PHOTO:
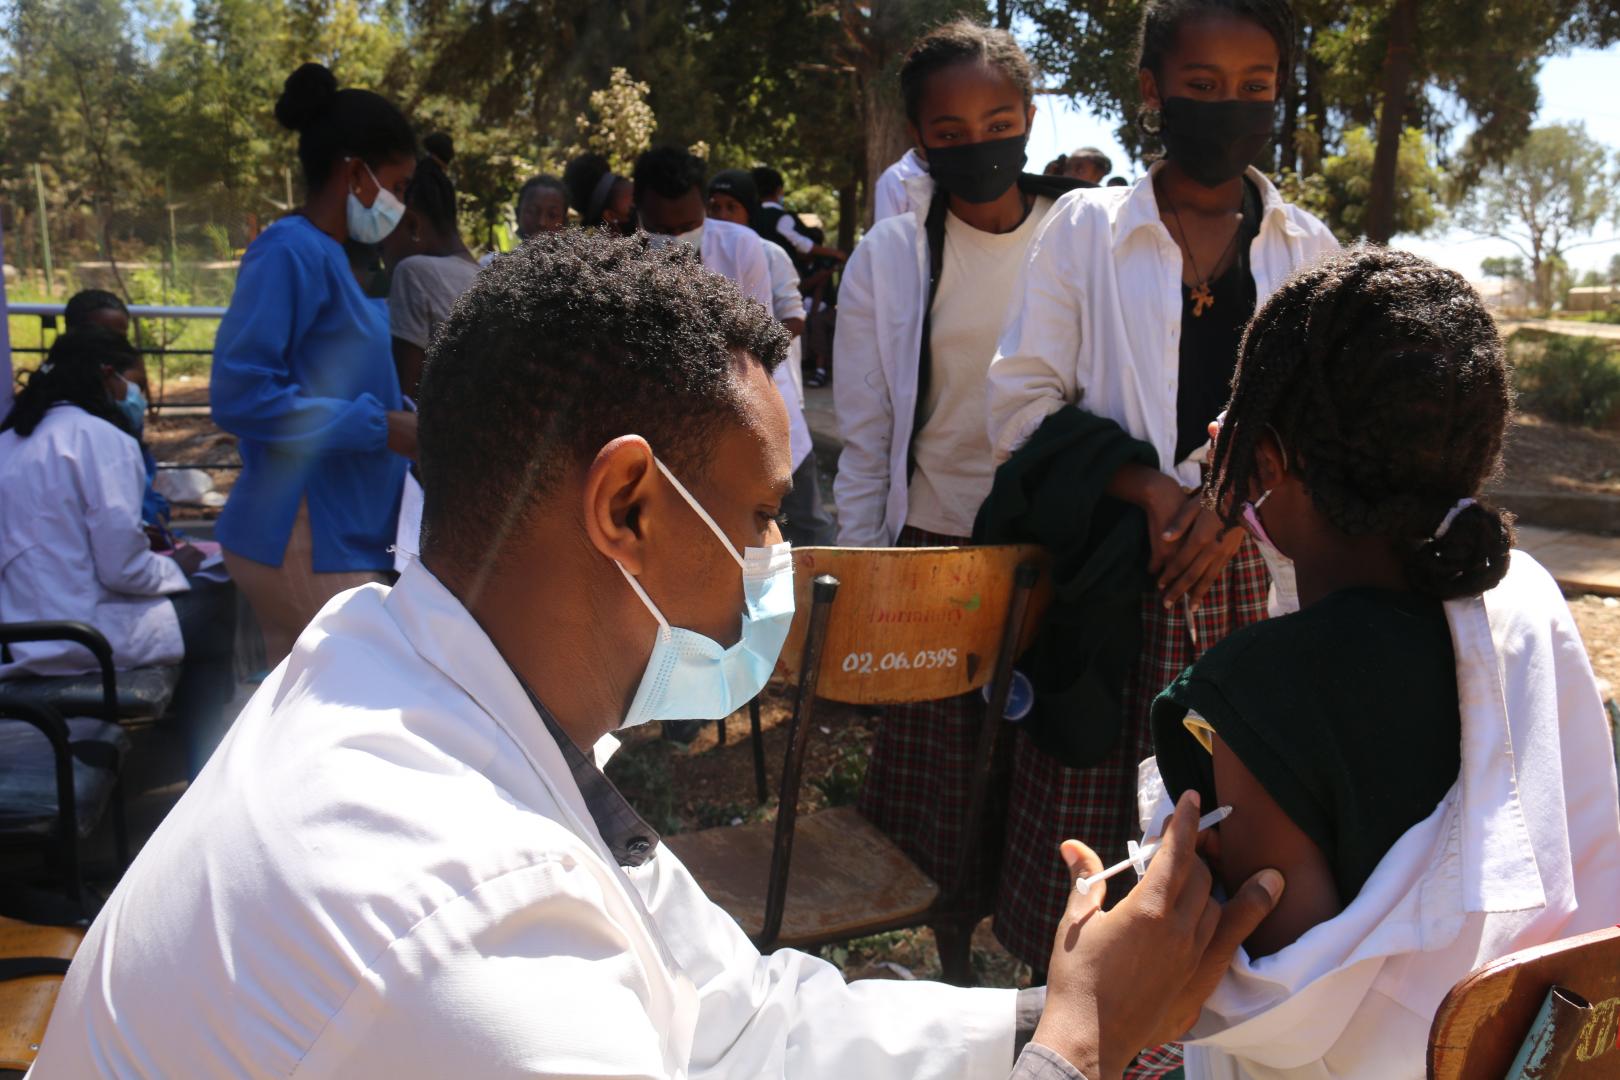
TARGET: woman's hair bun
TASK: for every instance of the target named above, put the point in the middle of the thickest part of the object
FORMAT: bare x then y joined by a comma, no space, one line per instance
307,93
441,146
1469,559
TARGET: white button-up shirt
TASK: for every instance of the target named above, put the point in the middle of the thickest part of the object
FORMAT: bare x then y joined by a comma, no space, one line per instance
388,870
1524,849
72,546
1096,320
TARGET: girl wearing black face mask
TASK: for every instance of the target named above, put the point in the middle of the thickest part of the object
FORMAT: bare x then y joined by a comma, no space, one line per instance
1133,306
921,303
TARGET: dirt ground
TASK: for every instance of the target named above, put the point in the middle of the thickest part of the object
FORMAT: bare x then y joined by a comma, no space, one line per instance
1542,456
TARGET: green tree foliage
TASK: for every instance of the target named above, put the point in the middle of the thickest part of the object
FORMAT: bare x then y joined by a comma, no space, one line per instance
1338,193
1547,195
1503,267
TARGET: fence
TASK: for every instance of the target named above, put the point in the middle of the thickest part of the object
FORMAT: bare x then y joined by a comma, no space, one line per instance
49,314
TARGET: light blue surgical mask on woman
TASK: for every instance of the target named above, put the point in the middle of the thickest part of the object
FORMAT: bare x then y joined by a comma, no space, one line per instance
372,224
693,677
133,406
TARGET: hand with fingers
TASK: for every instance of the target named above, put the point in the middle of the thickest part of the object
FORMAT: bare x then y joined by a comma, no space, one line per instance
1137,975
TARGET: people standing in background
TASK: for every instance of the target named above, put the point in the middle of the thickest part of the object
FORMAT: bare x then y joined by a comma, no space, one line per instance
440,147
600,196
891,197
923,298
73,546
429,266
1089,164
303,372
805,521
776,224
1131,308
1117,181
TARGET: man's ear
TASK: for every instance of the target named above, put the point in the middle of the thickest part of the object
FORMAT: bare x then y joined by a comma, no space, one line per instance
1148,87
618,488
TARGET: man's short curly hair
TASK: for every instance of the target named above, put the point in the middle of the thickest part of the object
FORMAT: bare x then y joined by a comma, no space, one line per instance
570,341
1384,380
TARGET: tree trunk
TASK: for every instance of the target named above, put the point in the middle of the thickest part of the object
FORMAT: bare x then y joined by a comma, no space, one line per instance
1004,14
1397,79
887,137
849,208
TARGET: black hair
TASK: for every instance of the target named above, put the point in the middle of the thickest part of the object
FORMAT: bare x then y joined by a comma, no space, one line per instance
1162,20
1056,166
1384,380
441,147
333,124
962,41
432,195
570,341
539,183
86,302
583,178
740,185
668,170
1090,155
767,181
71,374
1118,181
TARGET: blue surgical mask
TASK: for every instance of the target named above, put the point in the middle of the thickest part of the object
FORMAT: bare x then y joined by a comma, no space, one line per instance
372,224
693,677
133,407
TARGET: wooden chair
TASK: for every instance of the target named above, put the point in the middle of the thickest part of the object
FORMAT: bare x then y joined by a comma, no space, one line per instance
873,626
26,998
1486,1017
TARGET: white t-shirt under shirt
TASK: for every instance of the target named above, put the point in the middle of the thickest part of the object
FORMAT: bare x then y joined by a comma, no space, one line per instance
422,291
952,449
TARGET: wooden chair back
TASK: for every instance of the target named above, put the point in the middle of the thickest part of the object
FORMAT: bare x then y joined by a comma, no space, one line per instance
1483,1021
26,1002
910,624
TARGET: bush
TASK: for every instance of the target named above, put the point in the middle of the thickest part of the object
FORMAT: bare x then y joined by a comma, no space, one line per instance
1571,380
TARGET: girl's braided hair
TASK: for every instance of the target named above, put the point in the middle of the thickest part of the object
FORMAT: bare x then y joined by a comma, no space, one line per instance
1385,382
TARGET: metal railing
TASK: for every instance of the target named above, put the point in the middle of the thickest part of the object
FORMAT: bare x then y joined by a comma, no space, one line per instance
50,314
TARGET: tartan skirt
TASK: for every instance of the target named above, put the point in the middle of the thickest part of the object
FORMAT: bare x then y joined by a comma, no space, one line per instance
920,774
1049,803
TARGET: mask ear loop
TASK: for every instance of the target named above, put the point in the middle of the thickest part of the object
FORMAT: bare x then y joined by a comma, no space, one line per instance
697,507
645,599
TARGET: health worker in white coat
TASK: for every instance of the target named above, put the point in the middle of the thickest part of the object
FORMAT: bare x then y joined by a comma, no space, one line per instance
405,861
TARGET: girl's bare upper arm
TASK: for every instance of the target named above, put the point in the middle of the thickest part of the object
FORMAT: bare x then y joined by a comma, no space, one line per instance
1260,835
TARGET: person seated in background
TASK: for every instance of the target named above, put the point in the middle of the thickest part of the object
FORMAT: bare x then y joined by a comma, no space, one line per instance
600,196
805,521
1420,748
72,545
1087,163
429,267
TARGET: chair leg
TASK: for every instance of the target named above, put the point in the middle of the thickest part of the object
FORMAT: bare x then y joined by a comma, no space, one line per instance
720,731
120,826
761,791
954,939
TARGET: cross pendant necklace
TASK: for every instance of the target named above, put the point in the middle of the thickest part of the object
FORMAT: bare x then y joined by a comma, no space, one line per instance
1203,299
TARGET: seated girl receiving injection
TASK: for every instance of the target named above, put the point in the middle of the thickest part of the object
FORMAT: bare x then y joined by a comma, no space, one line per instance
1420,749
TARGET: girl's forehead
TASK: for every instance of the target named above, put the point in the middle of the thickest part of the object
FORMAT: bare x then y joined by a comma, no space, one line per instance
966,81
1221,39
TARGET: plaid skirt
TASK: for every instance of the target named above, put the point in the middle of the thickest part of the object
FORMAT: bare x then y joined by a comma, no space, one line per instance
920,774
1049,803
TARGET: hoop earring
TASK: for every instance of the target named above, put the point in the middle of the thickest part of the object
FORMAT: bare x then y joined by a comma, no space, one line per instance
1150,120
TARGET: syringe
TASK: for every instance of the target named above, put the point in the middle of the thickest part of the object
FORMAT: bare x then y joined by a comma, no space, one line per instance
1141,854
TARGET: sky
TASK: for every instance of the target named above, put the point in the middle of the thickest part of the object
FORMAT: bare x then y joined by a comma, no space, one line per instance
1569,86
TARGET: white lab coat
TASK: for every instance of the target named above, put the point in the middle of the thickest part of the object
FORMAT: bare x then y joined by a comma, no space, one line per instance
737,252
1099,319
387,870
1523,850
72,546
892,195
788,303
877,341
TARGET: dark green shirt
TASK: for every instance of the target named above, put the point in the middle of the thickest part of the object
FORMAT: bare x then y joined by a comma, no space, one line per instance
1345,712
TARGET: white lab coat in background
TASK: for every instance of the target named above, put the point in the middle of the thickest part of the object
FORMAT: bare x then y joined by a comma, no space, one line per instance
737,252
387,870
1523,850
893,195
72,546
1099,319
788,303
